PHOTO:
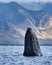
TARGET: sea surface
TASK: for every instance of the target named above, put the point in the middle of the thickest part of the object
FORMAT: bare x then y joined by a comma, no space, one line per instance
13,55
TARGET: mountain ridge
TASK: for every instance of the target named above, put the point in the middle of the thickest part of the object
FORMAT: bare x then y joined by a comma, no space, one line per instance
15,19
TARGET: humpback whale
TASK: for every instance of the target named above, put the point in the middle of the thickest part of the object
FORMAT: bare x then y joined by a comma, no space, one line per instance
31,46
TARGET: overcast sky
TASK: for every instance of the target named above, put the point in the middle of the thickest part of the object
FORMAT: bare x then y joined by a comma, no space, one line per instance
26,1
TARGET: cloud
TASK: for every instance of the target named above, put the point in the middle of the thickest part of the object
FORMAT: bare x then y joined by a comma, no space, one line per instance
26,1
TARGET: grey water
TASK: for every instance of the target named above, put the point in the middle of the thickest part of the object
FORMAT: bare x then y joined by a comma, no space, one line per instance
13,55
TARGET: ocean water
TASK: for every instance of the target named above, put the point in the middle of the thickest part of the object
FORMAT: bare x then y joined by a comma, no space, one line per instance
13,55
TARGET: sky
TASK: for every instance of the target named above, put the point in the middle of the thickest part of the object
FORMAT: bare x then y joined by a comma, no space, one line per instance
26,1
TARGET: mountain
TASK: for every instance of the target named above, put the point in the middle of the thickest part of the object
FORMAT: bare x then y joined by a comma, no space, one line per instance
48,8
11,12
39,6
15,19
45,26
33,5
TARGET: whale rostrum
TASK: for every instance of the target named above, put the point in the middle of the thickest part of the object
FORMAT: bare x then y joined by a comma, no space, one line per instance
31,46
